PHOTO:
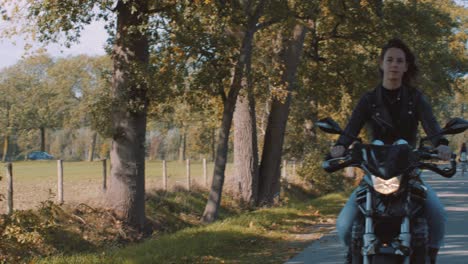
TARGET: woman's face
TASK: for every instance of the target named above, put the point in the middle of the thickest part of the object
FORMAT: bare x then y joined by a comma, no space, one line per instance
394,64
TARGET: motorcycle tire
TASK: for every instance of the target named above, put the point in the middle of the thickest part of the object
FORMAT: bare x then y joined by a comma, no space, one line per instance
357,259
419,255
385,259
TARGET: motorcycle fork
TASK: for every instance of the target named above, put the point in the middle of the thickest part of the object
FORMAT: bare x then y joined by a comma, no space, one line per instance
369,235
405,232
369,238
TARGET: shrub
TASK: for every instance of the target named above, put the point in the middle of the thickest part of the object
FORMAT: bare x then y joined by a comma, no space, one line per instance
322,182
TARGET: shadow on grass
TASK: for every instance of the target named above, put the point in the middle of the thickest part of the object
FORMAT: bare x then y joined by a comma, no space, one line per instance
172,211
296,193
275,219
300,197
330,204
203,246
67,242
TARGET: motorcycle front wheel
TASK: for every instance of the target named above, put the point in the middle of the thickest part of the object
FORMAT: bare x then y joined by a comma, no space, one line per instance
386,259
378,259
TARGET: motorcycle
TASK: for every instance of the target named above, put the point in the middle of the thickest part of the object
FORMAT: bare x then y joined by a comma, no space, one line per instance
391,227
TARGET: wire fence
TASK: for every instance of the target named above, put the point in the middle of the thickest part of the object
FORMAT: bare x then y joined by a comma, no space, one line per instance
26,193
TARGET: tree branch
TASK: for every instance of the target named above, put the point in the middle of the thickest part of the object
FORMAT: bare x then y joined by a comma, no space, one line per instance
266,24
155,10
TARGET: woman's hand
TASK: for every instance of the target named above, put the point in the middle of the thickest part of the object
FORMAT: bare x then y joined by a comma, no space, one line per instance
444,152
337,151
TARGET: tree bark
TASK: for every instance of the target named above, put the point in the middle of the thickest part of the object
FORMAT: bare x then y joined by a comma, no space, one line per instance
42,131
6,143
126,193
214,200
213,145
274,137
245,149
183,138
245,141
154,147
92,147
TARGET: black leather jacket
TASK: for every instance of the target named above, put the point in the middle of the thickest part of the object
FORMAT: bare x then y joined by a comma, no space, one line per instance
371,110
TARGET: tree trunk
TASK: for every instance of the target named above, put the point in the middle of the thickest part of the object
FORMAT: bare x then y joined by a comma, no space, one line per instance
214,200
183,138
6,143
378,7
42,131
92,147
245,149
213,144
274,137
154,147
211,210
126,193
245,141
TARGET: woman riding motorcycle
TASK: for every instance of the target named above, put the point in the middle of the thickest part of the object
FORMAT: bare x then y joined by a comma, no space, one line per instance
393,110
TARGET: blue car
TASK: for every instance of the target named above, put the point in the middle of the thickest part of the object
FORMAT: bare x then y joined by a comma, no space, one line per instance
39,155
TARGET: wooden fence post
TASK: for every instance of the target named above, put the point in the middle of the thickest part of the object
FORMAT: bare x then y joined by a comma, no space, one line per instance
60,181
9,174
164,175
188,174
104,174
204,173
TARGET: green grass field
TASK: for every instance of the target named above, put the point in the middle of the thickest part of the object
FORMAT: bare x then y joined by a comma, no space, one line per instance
32,171
36,181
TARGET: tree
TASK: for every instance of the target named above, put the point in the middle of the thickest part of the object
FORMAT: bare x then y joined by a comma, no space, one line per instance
80,79
218,36
130,56
245,146
41,105
290,56
51,20
9,97
252,14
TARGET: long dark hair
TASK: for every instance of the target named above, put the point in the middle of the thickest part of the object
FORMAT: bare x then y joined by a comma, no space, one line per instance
463,147
413,70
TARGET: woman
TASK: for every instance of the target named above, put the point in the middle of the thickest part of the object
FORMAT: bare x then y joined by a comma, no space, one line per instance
393,110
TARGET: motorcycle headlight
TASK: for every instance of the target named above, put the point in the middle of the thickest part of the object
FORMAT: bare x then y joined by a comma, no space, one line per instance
386,186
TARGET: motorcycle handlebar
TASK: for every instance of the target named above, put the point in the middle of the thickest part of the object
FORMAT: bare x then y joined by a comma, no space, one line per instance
445,172
334,164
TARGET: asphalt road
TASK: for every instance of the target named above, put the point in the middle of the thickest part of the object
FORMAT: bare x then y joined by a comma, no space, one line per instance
454,195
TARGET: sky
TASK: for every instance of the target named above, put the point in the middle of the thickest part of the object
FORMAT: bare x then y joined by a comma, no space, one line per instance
92,43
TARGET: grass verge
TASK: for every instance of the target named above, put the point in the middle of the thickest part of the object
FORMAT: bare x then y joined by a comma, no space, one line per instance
82,234
266,235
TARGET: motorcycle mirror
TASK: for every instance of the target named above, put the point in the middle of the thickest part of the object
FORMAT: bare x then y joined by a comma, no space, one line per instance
455,126
329,125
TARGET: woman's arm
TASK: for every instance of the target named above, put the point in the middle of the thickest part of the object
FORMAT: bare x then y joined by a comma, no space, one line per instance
359,117
429,122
